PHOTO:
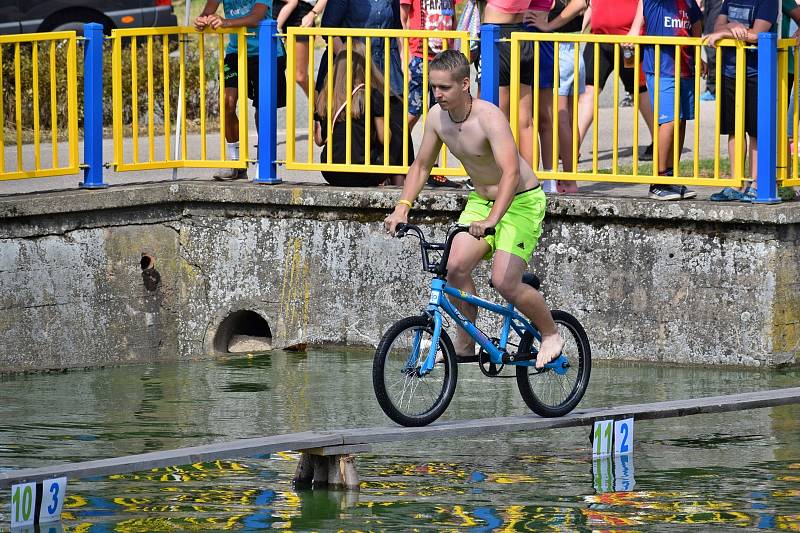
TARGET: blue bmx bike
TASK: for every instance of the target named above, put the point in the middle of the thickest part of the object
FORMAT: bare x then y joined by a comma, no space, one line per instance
415,369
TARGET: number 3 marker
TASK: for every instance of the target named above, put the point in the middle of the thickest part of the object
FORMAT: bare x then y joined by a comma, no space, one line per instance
53,492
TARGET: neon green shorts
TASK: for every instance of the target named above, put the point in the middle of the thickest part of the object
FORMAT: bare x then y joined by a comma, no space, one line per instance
519,230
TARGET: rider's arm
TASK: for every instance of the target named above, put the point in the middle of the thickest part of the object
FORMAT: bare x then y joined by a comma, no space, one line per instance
418,173
506,156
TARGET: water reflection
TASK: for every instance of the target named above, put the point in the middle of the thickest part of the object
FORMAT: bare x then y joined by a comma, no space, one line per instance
733,470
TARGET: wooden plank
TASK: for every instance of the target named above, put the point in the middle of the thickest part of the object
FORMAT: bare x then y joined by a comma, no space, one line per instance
181,456
338,450
364,436
579,417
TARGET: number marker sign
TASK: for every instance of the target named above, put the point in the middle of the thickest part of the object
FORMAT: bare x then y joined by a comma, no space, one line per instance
623,436
53,492
23,499
24,502
602,437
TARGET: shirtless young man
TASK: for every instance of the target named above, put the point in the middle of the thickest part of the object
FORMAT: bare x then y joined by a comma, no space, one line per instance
507,197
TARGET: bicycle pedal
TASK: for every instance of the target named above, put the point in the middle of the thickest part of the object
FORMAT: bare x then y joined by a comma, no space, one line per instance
510,358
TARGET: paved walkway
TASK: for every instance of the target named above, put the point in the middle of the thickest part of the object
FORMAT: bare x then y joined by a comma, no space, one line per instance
604,155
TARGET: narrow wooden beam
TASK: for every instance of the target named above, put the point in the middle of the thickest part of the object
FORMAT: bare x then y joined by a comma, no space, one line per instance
364,436
181,456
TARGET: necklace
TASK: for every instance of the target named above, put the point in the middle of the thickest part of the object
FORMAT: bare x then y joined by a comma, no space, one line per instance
459,122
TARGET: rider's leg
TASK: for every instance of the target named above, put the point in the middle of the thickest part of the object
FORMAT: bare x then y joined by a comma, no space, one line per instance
465,253
507,270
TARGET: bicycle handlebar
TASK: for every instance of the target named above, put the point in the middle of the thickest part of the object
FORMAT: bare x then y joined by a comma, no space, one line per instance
440,268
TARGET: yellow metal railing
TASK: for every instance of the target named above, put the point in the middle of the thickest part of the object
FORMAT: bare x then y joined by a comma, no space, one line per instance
615,172
349,37
788,115
151,50
56,54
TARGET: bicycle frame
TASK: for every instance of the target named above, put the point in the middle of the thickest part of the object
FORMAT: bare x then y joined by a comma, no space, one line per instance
438,302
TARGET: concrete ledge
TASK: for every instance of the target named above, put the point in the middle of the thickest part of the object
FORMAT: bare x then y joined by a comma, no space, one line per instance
323,196
683,282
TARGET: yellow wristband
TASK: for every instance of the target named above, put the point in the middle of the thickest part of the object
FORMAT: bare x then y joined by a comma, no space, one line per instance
405,202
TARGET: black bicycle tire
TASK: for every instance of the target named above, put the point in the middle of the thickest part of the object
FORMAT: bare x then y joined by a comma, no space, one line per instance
379,362
584,370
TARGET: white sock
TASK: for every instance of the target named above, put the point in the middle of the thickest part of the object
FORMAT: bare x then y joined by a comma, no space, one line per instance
548,186
233,151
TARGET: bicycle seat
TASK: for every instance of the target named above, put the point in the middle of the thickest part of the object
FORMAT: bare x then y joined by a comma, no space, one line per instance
528,278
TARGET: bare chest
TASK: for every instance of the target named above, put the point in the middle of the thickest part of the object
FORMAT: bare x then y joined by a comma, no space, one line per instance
467,142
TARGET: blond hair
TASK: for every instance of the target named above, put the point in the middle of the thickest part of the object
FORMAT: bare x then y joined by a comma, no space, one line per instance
358,72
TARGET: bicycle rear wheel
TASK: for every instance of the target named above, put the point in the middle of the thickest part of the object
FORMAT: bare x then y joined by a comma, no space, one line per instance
408,398
546,392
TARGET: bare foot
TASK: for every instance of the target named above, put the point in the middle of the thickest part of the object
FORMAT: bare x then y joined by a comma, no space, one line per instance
550,349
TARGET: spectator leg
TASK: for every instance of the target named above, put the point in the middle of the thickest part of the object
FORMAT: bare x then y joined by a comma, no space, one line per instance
545,129
526,123
231,120
301,63
585,112
646,110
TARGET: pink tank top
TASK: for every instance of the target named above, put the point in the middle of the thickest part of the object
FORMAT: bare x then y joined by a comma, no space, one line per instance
540,5
515,6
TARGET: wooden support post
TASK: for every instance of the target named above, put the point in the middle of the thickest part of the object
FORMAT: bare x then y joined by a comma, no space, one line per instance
305,470
334,472
348,465
320,471
331,466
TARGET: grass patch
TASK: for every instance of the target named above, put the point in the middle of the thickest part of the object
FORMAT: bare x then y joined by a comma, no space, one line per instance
705,168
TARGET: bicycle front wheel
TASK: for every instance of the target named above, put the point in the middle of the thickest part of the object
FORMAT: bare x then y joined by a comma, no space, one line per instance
407,396
546,392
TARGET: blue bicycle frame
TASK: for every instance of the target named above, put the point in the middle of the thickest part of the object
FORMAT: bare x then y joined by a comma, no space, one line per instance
438,302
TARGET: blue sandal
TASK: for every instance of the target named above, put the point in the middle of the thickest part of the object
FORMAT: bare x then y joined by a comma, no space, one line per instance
728,194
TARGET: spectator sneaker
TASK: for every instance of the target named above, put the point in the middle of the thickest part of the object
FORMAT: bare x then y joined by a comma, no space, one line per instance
669,192
231,174
647,153
442,181
707,96
686,193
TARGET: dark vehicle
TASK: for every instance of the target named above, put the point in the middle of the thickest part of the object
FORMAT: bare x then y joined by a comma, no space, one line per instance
30,16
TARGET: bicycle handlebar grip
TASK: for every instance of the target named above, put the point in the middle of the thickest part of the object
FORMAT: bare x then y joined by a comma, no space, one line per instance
400,230
489,231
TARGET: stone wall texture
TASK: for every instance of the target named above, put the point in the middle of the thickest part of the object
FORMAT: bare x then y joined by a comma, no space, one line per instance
686,282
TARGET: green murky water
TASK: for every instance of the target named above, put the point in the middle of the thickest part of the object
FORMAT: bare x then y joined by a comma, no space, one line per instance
734,471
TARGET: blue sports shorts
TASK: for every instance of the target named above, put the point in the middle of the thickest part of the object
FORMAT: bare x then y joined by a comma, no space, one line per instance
666,97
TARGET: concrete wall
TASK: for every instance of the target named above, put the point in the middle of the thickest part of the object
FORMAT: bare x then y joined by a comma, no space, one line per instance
682,282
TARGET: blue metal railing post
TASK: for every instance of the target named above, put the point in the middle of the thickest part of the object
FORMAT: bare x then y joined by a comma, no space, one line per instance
268,102
490,63
766,181
93,107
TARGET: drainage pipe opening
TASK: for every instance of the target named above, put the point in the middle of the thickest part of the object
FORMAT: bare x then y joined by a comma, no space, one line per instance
243,331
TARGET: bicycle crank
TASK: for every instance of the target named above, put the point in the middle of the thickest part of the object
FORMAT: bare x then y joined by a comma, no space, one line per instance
488,367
